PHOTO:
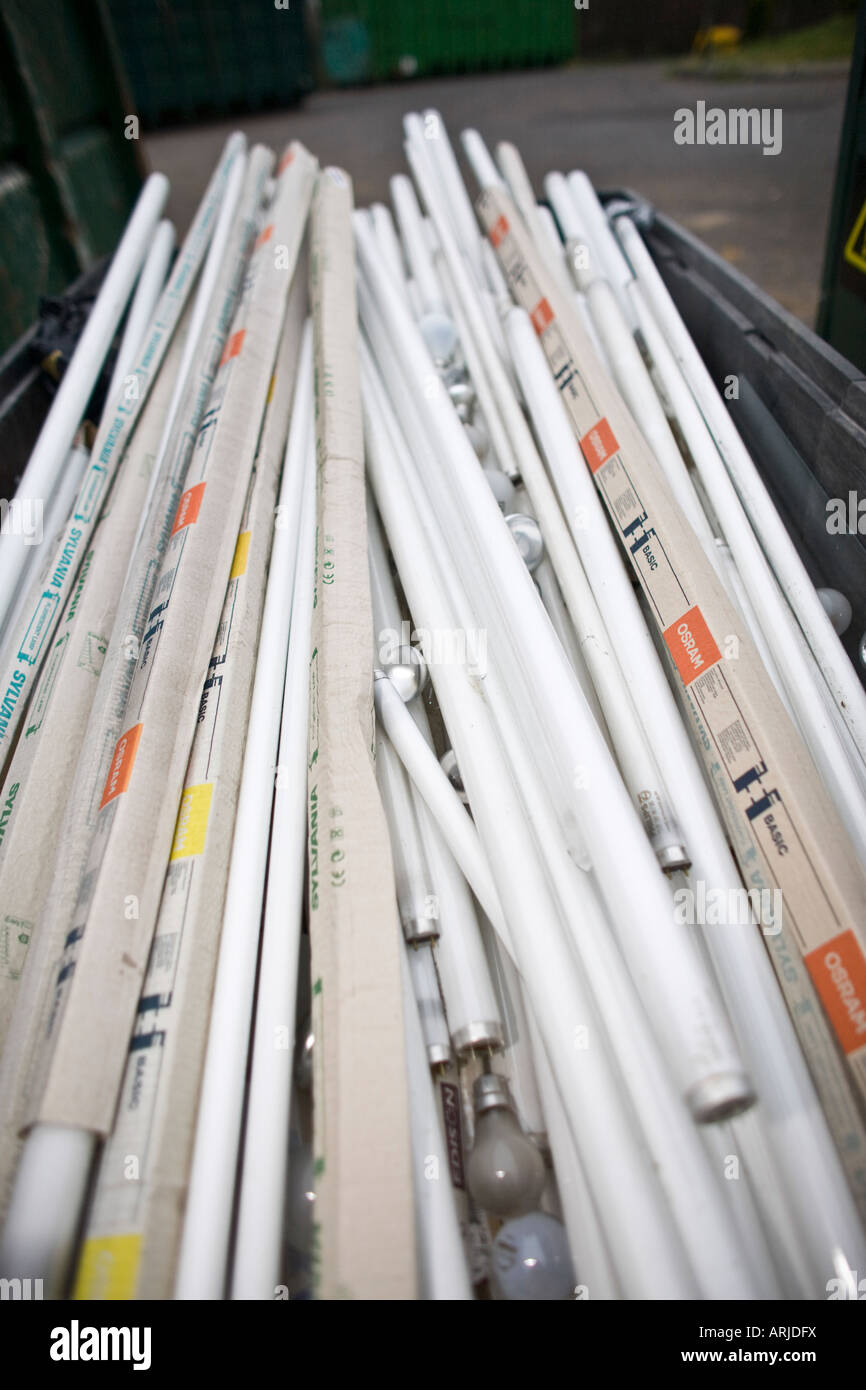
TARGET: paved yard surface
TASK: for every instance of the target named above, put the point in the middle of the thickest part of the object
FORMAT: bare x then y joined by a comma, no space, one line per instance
767,214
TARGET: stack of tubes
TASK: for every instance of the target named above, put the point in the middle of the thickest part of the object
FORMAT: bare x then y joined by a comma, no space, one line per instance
624,1076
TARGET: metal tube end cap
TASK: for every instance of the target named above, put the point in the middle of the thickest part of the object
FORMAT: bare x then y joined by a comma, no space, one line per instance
720,1097
486,1036
673,857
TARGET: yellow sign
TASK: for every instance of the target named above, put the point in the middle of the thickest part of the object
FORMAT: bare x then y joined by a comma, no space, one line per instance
855,246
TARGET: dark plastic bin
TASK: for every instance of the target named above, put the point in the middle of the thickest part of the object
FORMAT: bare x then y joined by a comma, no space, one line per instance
842,311
366,41
801,408
188,59
68,175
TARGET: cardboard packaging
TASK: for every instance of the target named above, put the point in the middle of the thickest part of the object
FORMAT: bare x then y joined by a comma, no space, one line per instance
134,1225
364,1235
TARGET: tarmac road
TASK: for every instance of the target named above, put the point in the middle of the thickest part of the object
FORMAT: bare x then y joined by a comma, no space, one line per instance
765,213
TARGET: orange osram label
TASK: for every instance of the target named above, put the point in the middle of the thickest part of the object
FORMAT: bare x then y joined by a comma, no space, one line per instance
285,161
265,234
541,316
188,507
598,445
233,346
120,770
838,970
499,231
691,645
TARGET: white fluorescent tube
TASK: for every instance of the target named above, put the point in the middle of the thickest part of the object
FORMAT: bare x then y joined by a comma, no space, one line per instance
204,1246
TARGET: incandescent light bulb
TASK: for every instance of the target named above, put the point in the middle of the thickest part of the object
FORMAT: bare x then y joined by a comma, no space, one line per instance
505,1171
530,1259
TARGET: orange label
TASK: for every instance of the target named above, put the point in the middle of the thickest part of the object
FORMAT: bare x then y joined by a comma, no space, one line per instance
499,231
598,445
285,161
541,316
233,346
120,771
188,508
691,645
265,234
838,970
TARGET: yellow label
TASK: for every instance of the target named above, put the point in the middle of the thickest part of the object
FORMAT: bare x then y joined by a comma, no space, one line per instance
192,817
242,550
855,246
108,1267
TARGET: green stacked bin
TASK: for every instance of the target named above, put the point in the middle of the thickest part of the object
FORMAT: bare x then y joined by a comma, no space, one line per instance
363,40
188,59
68,175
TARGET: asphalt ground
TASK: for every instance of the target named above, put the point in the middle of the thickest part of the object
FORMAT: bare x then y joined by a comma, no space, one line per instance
767,214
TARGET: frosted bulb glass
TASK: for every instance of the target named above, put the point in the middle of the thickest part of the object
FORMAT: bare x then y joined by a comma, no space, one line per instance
837,608
407,672
479,439
304,1059
505,1171
530,1259
300,1200
501,486
440,336
527,535
448,763
462,393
